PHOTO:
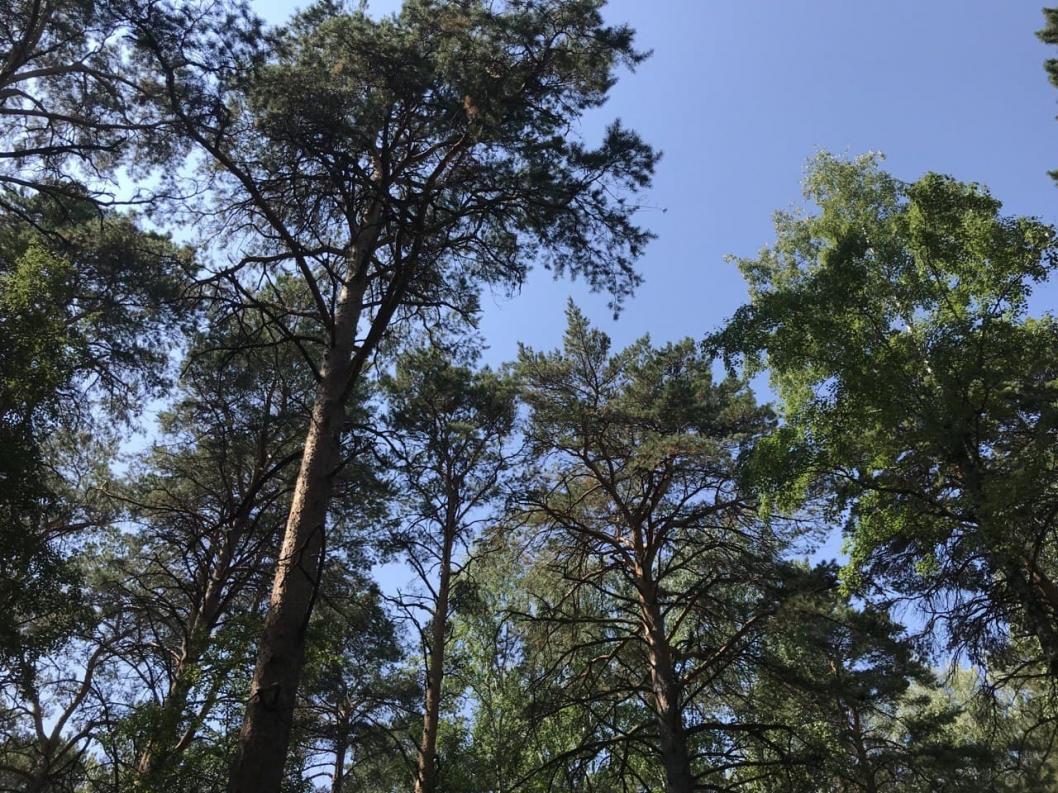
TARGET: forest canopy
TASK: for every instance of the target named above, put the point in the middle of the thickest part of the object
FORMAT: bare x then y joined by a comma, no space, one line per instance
272,520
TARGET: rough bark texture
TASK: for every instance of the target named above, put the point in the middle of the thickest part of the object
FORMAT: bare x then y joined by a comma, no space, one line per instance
1031,589
665,692
265,733
1038,594
165,743
870,781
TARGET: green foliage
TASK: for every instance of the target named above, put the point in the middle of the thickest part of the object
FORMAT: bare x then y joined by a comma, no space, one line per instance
461,73
519,727
206,503
447,427
449,431
88,304
613,529
1049,35
397,165
356,694
855,708
662,573
70,109
917,395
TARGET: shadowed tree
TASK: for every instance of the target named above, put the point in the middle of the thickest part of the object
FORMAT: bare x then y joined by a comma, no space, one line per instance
208,501
86,314
860,711
56,707
358,697
69,102
448,428
525,730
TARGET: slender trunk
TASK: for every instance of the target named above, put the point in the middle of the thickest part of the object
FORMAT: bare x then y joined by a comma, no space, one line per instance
163,739
164,742
665,691
341,744
426,775
870,784
265,734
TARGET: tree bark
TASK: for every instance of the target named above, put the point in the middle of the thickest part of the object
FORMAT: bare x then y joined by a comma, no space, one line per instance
161,744
665,691
265,733
870,781
341,745
164,743
1030,587
426,774
1023,577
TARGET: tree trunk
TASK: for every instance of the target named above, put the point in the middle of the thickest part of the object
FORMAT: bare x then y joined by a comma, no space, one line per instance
870,782
163,737
426,776
164,743
1030,587
341,745
40,779
1036,591
265,734
665,691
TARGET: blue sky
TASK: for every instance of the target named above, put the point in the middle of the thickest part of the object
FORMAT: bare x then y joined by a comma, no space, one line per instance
739,93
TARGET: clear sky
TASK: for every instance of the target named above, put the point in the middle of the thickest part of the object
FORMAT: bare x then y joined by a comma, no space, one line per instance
739,93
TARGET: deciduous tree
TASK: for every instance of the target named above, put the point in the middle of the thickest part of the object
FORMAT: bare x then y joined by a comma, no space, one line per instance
919,397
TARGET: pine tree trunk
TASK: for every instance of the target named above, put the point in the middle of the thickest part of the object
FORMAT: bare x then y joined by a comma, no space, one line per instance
426,775
1029,586
341,744
1038,593
265,734
39,781
164,745
870,782
665,692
